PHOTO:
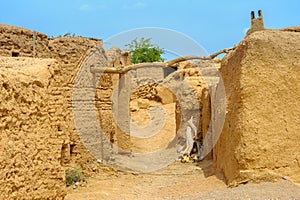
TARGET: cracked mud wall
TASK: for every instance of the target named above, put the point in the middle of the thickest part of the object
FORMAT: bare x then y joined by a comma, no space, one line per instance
70,52
260,139
30,142
35,147
200,75
107,84
260,135
18,42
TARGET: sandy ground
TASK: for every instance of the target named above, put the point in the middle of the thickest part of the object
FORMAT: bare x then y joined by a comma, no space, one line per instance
178,181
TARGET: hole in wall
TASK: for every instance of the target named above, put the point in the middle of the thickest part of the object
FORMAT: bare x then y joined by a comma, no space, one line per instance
63,150
59,129
15,54
5,86
72,148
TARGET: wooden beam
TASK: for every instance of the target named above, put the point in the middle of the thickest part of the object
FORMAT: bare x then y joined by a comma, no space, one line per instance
171,63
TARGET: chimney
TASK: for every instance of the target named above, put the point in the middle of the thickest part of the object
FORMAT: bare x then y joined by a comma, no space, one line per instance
257,24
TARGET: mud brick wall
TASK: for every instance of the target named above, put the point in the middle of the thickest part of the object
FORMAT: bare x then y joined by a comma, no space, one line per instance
37,126
30,140
260,139
70,52
15,41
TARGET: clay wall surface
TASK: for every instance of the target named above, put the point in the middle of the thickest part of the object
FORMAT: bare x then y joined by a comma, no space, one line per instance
31,87
19,41
39,137
260,139
69,52
30,142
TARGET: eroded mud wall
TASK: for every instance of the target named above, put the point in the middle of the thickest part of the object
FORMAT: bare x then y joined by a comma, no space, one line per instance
70,52
37,126
260,139
21,42
30,141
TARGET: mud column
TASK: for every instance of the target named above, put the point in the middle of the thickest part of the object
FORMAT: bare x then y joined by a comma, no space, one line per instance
122,114
210,138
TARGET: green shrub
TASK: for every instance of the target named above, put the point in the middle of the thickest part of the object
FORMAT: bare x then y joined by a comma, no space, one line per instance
73,175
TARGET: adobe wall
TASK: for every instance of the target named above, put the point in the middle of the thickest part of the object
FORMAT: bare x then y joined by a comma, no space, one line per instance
145,93
47,142
260,139
69,52
30,142
108,83
20,41
203,77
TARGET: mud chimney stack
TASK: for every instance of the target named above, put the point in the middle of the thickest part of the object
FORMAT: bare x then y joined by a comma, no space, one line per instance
257,24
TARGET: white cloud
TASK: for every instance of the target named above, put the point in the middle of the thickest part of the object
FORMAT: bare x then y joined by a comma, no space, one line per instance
137,5
84,7
87,7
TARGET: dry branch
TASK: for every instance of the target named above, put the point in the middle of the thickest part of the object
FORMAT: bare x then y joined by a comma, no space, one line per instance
171,63
212,56
185,58
124,69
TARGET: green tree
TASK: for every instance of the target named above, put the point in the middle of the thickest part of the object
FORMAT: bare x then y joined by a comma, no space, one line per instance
143,51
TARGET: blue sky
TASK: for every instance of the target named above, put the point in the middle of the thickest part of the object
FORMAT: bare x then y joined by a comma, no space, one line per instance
213,24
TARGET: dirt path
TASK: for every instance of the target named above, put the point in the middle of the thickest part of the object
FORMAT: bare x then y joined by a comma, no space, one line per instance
282,189
177,181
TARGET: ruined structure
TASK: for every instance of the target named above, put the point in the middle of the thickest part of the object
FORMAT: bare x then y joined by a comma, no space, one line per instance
147,85
39,135
35,50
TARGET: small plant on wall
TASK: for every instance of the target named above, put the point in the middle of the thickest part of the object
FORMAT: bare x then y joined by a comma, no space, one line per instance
74,175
